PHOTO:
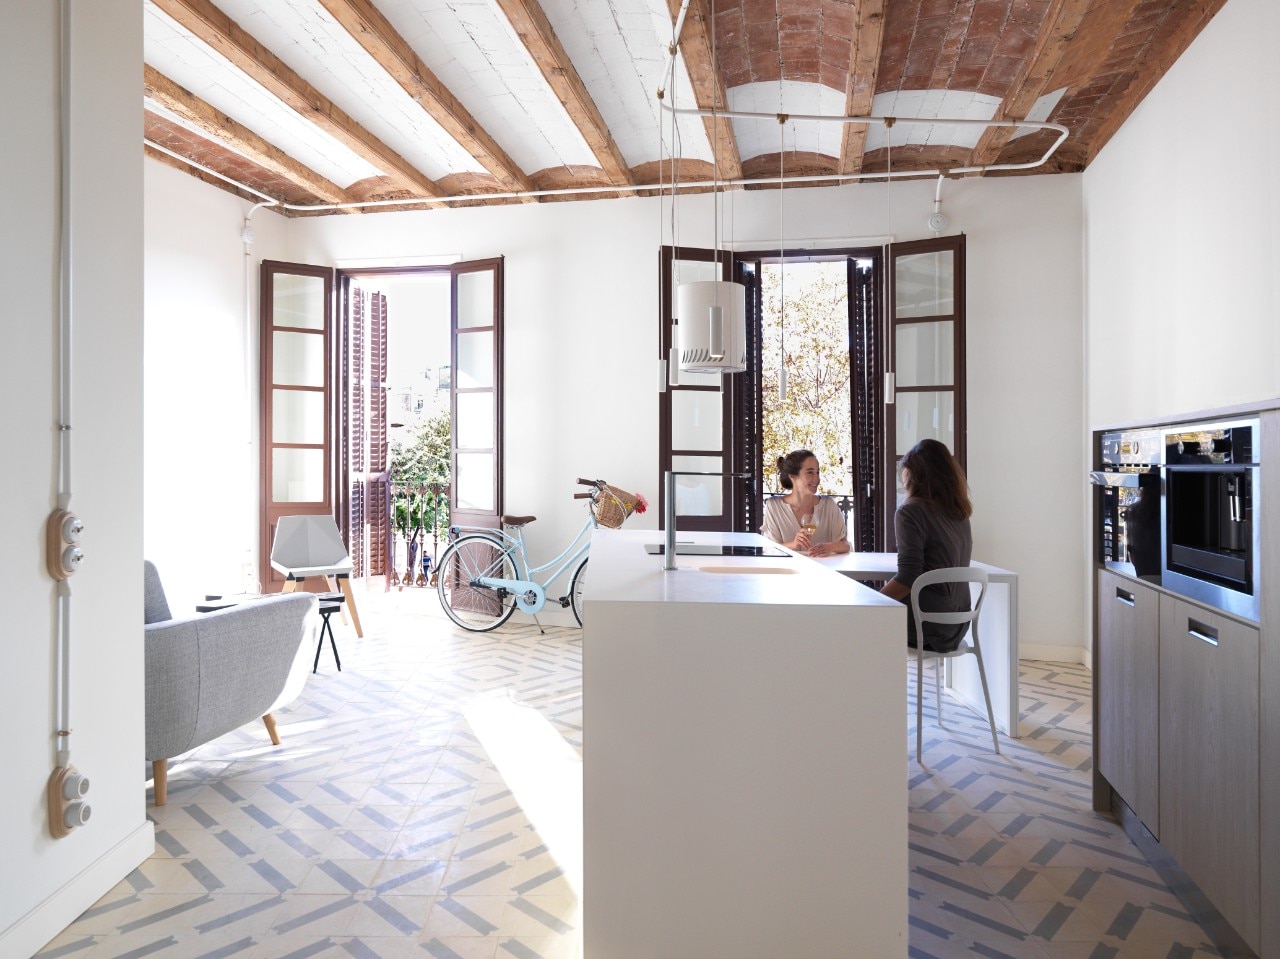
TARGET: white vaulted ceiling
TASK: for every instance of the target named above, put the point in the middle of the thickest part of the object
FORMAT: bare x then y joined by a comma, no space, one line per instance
330,102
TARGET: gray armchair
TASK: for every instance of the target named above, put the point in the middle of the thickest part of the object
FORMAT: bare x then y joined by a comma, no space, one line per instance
210,673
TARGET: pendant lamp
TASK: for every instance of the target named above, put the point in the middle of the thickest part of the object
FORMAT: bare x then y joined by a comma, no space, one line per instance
713,326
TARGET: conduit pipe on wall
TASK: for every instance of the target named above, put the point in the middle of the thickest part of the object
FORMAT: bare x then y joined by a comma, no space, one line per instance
66,786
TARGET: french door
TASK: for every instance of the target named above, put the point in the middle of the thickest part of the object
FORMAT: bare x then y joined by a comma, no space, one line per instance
323,396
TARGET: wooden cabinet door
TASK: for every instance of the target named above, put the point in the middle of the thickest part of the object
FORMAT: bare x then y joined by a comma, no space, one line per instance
1128,683
1209,805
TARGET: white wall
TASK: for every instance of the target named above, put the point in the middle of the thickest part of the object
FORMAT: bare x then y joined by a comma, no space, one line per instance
581,346
45,882
201,379
1181,207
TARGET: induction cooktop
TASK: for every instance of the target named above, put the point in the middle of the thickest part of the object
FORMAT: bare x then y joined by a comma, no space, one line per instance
700,549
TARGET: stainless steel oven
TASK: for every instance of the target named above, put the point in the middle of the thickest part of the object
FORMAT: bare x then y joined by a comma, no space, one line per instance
1128,507
1210,514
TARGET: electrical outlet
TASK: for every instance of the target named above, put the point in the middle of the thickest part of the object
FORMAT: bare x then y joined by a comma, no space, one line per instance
64,555
67,808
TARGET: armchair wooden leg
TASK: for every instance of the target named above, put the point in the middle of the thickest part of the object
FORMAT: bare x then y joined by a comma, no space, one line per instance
290,585
270,722
160,772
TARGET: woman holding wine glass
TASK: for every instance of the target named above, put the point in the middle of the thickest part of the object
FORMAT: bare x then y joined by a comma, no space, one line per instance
801,519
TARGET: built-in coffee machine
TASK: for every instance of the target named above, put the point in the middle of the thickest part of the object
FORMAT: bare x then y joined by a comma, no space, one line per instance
1211,527
1129,539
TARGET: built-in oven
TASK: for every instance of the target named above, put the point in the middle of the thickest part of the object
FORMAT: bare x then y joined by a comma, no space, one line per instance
1128,508
1210,514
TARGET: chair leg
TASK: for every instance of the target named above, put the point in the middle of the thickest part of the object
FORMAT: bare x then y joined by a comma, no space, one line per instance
270,722
919,699
986,694
160,773
345,583
937,687
290,584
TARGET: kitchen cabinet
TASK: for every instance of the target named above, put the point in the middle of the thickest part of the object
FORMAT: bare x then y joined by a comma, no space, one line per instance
1209,752
1128,690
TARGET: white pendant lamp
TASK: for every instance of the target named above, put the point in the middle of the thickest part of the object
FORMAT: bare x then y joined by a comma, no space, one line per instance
713,326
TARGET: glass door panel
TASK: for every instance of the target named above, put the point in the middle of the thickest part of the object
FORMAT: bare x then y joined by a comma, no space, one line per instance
698,495
297,416
926,353
925,284
696,420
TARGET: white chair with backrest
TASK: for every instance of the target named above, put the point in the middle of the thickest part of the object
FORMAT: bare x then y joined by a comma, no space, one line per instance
311,545
969,644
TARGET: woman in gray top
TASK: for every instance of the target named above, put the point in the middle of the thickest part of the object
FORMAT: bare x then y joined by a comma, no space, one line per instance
932,530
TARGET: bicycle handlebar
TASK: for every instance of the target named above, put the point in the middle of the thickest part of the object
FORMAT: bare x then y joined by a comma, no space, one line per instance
596,483
582,495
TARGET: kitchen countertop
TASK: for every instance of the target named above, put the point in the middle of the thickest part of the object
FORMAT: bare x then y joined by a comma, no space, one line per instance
621,571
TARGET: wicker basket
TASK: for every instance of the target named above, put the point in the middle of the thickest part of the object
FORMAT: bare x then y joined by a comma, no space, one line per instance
612,506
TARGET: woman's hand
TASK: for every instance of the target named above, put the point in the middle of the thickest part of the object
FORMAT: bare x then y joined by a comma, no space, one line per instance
801,544
822,549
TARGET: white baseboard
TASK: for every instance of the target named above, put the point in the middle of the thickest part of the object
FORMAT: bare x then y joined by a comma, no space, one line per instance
35,930
1055,654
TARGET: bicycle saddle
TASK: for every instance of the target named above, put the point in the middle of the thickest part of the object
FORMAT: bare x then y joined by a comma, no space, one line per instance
517,520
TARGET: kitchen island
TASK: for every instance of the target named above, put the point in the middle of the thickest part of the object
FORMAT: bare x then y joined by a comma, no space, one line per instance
744,769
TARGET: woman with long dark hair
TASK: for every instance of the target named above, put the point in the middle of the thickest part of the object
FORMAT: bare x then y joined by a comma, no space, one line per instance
932,530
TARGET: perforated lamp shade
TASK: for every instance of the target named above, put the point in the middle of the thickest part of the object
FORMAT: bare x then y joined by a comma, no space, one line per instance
712,326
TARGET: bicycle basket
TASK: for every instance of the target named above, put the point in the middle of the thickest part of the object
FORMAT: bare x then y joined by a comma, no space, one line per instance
612,506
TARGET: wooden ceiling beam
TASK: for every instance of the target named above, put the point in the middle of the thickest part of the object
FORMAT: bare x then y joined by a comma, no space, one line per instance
380,40
1036,74
226,37
220,128
535,32
708,85
864,69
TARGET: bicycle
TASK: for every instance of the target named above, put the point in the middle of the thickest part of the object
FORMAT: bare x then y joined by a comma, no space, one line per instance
484,575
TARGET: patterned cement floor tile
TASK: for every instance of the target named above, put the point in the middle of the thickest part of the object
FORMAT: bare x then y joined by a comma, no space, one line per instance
384,826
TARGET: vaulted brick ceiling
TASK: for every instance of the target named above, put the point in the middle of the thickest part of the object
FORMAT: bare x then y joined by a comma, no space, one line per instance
327,102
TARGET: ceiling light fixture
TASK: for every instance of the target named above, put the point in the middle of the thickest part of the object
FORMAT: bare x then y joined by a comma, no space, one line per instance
717,344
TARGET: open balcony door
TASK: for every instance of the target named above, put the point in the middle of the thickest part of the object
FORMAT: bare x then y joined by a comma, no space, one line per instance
698,431
475,393
297,409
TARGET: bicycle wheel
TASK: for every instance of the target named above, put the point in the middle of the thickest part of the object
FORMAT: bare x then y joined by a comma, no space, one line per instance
477,608
578,588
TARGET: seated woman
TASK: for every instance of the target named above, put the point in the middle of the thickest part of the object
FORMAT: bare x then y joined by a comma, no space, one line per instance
802,520
932,530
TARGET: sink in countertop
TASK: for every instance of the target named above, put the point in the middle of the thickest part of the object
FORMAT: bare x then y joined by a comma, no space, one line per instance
751,570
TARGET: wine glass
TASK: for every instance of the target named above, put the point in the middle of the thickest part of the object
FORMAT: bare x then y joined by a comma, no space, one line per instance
809,527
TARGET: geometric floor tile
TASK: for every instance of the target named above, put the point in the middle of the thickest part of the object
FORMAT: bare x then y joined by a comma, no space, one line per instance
394,820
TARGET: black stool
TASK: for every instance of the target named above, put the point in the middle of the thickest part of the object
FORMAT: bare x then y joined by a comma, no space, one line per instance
330,603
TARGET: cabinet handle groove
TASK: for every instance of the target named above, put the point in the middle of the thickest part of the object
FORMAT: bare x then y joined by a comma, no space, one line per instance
1124,596
1206,634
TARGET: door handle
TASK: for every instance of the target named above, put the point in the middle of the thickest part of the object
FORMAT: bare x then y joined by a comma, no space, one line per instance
1202,632
1124,596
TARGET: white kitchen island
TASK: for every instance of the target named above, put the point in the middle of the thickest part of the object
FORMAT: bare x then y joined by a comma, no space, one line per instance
745,780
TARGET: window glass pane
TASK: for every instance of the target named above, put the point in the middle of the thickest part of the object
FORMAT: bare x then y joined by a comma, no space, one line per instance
297,301
475,361
475,481
698,495
923,284
475,421
925,354
924,416
695,420
297,476
297,417
475,299
297,359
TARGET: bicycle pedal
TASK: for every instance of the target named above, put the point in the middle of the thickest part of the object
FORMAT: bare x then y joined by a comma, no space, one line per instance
564,602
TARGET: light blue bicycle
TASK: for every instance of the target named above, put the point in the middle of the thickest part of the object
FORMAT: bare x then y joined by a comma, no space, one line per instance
484,575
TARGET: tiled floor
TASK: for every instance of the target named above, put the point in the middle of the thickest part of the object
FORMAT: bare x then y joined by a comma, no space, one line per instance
425,802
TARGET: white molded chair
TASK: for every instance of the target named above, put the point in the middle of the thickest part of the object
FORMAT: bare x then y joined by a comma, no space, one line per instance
311,545
951,574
